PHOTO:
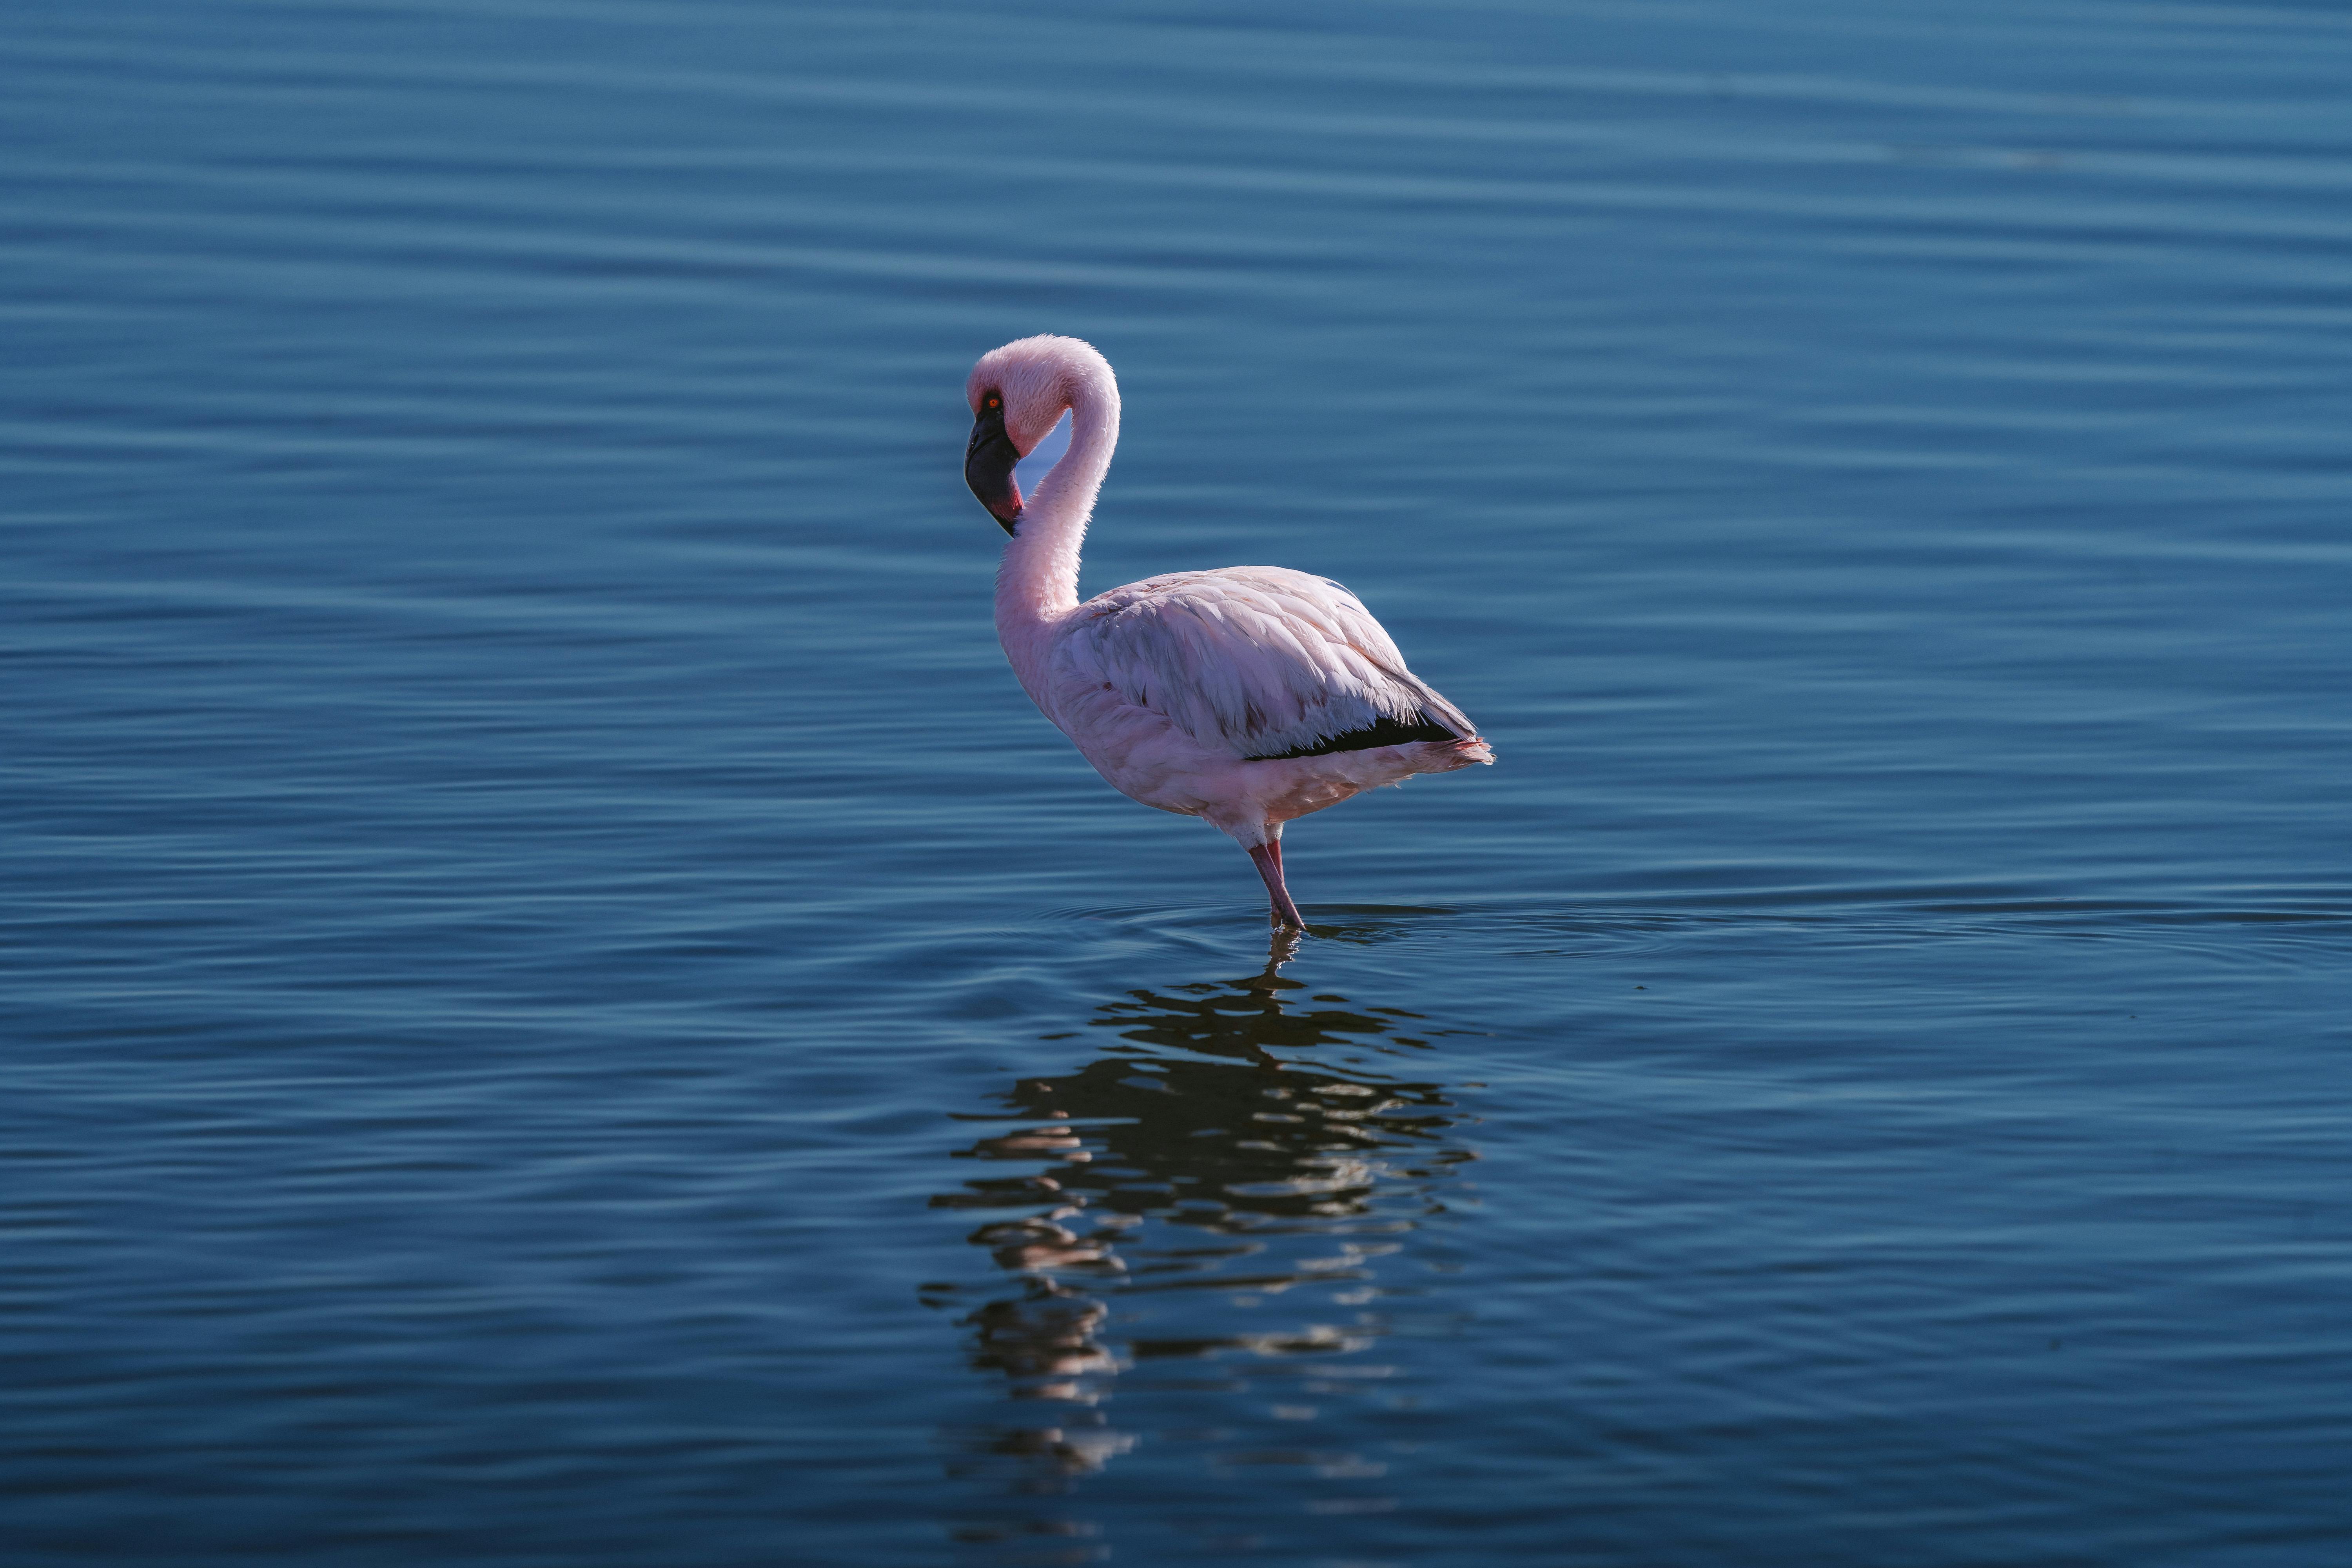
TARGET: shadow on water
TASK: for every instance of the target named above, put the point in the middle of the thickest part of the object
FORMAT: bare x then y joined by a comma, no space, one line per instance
1217,1220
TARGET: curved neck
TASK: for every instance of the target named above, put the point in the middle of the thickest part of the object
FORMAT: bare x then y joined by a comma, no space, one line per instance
1037,581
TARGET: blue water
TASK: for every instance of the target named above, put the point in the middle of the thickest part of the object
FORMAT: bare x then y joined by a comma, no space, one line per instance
563,1008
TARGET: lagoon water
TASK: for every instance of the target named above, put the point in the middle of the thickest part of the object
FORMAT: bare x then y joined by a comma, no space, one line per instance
562,1008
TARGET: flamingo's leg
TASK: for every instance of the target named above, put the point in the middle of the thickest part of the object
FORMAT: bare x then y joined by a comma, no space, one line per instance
1268,856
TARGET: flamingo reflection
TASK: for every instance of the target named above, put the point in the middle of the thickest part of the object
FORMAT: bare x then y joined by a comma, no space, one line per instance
1232,1147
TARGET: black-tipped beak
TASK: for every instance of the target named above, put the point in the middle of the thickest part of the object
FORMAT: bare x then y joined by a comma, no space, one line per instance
988,468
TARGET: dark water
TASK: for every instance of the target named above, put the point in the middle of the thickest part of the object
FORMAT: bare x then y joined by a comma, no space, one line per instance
563,1008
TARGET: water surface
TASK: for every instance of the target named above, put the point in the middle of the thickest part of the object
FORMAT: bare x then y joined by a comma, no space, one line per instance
563,1008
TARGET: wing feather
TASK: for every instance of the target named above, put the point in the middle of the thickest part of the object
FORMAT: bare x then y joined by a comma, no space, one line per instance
1257,660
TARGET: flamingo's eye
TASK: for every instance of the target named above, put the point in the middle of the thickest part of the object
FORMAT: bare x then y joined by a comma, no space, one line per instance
995,402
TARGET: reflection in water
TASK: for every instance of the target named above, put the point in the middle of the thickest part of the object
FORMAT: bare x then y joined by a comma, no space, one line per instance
1214,1216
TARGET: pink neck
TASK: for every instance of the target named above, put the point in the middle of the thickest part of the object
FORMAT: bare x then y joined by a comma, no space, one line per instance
1037,581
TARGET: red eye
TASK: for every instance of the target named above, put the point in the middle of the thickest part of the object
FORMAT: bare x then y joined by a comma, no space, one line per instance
993,402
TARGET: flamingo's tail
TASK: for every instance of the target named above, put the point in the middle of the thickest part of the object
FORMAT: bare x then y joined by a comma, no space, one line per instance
1445,756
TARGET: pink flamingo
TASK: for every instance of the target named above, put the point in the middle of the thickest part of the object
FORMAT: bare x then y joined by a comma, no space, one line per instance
1246,696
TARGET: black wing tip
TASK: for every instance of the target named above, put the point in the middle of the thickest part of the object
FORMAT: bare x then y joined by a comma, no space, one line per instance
1380,732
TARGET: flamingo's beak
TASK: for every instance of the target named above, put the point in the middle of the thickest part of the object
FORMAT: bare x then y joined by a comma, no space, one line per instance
988,465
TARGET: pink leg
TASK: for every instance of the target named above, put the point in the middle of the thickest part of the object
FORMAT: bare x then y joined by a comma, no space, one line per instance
1268,856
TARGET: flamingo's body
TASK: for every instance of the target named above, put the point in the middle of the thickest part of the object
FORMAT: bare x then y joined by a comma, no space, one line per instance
1246,696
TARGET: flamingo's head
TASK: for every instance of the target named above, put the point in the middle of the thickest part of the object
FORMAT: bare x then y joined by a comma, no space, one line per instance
1018,394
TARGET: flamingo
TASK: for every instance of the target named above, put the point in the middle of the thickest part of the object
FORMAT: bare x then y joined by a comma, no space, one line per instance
1246,696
